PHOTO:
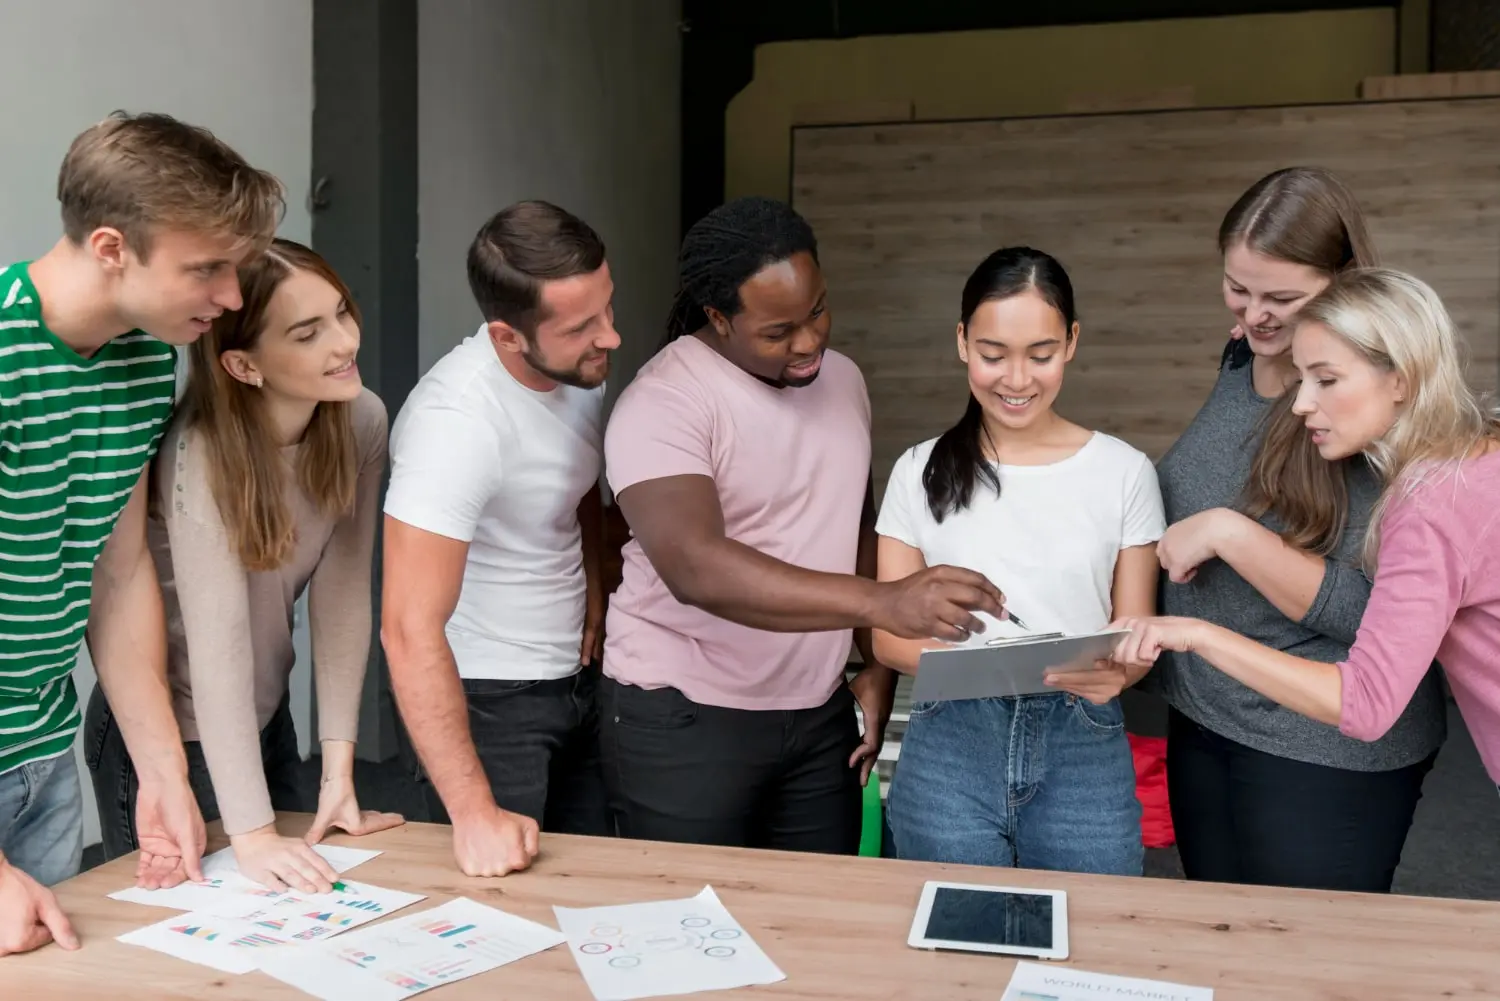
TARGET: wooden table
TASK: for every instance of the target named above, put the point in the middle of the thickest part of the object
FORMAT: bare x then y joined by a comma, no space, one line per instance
837,927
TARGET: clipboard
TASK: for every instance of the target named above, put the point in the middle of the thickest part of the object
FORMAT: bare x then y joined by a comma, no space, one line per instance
1007,667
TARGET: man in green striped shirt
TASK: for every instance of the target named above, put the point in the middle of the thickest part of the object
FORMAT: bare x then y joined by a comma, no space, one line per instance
157,216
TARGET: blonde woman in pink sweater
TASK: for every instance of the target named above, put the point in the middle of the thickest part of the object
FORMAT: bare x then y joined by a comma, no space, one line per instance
1381,374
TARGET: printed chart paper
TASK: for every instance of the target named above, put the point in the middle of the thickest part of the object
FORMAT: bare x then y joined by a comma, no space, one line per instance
1036,982
663,948
221,878
227,933
410,954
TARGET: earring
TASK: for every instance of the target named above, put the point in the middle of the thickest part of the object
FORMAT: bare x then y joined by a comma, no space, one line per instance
259,381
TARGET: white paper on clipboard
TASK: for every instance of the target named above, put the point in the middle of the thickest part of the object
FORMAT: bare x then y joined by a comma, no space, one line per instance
1007,667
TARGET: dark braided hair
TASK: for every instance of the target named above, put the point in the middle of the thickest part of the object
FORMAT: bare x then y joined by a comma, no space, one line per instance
725,249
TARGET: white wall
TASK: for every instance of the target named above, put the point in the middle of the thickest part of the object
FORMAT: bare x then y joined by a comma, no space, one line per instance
573,101
243,70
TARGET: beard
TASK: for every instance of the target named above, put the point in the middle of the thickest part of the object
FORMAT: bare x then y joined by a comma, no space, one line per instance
574,376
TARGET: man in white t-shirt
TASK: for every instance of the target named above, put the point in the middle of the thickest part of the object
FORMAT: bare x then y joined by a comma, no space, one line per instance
492,607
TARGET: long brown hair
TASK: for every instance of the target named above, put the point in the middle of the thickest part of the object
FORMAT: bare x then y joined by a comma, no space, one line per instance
246,470
1303,215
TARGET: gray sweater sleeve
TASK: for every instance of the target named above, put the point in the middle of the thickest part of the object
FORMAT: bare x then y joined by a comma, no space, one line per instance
1340,602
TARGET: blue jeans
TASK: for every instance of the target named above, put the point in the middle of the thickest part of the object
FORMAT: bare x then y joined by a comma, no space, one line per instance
1039,782
41,818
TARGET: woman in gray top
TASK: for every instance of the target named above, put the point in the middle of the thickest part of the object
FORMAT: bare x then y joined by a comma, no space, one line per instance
1264,539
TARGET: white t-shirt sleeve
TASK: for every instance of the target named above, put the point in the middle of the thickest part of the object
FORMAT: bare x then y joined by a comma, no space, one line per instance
903,507
1145,520
445,467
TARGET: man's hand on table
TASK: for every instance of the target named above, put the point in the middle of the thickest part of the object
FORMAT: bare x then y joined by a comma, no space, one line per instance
494,842
169,829
29,914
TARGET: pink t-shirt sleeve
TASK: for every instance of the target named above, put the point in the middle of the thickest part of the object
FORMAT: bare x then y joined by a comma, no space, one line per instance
1416,594
657,430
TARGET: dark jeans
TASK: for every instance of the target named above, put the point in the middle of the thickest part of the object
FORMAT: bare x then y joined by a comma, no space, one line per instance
116,785
538,742
683,772
1244,816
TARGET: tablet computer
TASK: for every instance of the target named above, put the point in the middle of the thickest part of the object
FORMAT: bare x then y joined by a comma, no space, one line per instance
1007,667
1001,919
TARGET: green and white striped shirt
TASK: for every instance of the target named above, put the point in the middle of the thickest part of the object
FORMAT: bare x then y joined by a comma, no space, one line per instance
75,434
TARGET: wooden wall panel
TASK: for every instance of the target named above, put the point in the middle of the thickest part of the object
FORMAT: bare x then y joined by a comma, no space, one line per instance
1131,204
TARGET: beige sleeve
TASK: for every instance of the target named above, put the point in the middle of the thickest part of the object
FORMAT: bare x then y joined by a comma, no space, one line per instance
213,595
339,596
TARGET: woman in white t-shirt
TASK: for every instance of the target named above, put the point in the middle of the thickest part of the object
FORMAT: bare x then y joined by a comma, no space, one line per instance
1065,521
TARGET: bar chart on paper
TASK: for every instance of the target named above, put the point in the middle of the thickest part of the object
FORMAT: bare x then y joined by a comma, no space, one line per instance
228,932
411,954
222,879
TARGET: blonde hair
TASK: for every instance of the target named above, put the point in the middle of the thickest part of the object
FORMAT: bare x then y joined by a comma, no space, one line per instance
1398,324
1307,216
246,470
136,172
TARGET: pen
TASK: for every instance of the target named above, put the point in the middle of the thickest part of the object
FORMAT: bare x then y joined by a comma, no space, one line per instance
340,886
1012,616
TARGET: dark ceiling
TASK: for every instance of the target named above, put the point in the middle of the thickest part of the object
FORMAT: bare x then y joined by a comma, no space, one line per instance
721,35
775,20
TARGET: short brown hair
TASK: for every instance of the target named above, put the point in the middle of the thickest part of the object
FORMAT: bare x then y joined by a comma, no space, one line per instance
246,470
134,172
521,248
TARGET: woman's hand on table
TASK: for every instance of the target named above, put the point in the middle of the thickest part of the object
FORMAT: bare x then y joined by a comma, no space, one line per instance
279,863
338,808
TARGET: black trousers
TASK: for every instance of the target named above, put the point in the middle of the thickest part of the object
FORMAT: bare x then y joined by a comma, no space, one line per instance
538,742
1244,816
683,772
116,784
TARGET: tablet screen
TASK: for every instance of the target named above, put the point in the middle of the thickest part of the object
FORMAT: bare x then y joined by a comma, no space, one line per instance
991,918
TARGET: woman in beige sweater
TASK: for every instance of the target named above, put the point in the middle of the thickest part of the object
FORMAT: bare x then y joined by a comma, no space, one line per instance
266,484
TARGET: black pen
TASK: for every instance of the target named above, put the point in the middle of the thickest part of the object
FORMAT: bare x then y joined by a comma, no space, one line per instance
1016,619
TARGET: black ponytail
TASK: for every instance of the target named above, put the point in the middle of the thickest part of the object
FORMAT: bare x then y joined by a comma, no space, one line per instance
958,463
725,249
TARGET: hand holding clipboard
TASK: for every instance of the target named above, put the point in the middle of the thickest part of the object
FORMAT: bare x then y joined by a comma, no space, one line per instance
1021,665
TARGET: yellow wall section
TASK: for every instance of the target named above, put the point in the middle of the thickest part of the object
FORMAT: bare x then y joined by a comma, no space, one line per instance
1311,57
